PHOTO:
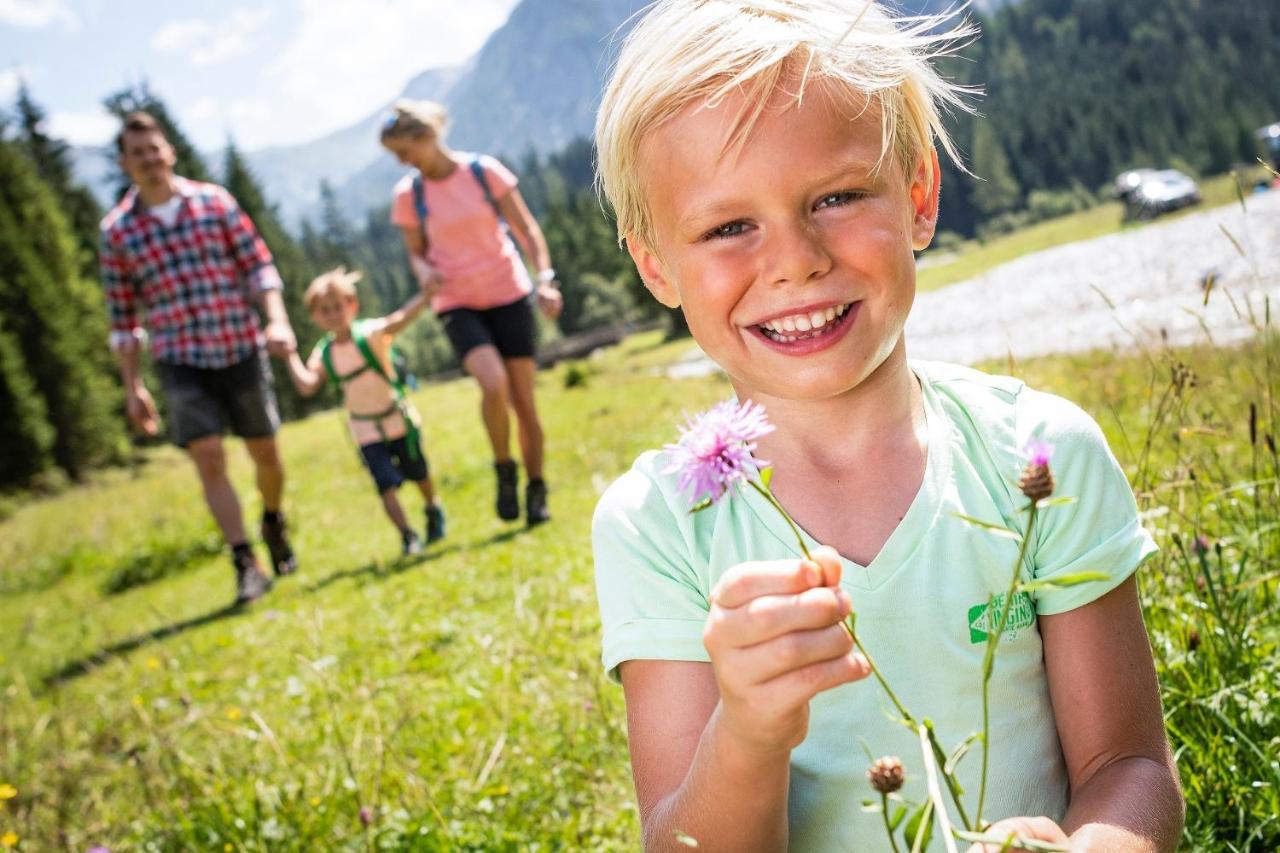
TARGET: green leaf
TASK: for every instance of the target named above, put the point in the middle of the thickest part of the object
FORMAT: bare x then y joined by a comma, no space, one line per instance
700,506
994,529
871,806
1063,500
959,752
919,827
898,815
766,476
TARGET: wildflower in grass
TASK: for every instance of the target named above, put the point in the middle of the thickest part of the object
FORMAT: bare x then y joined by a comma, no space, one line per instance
153,663
1201,545
366,816
99,849
886,774
715,450
315,801
234,713
9,839
7,791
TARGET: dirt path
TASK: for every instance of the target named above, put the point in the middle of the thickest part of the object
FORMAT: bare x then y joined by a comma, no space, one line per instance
1052,301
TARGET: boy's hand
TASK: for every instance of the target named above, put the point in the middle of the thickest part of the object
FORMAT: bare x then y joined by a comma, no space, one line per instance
1036,828
775,640
280,338
429,280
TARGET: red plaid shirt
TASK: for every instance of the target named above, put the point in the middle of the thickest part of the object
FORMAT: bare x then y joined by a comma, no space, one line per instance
194,283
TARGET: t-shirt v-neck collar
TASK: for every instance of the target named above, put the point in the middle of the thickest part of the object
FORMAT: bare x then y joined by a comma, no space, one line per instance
915,523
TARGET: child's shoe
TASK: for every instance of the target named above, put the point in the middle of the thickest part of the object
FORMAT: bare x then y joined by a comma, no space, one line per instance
251,582
508,499
410,543
435,523
535,503
283,560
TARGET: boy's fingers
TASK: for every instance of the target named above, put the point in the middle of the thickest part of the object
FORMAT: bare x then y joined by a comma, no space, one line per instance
805,683
828,559
768,616
791,653
746,581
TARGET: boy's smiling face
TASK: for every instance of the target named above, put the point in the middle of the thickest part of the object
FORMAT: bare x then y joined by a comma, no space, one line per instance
793,256
334,312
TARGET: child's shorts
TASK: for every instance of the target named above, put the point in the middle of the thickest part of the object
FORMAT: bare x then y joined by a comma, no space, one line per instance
391,463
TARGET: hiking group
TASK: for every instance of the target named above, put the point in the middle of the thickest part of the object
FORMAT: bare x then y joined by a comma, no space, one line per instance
183,266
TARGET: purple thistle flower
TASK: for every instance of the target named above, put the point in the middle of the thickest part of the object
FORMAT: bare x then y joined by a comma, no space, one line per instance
366,815
715,448
1038,453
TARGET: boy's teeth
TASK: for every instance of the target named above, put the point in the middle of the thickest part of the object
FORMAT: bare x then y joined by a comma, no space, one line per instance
788,324
803,322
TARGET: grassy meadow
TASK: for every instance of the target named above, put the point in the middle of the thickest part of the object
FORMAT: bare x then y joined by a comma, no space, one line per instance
456,701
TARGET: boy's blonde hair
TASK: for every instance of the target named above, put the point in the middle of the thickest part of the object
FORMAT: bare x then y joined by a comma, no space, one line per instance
336,281
690,51
410,119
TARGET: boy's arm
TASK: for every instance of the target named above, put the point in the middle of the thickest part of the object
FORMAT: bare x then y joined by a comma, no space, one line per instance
307,378
1102,682
406,313
698,730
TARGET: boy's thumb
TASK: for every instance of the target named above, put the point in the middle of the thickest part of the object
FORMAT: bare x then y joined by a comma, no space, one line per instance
828,560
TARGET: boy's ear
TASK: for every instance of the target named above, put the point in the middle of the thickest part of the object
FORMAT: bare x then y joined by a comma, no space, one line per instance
651,273
925,185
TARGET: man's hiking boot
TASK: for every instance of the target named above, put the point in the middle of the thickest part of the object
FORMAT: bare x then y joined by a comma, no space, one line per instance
535,503
508,497
435,523
410,543
273,533
251,582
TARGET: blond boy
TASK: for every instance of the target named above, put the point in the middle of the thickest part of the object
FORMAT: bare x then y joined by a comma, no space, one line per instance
772,164
356,356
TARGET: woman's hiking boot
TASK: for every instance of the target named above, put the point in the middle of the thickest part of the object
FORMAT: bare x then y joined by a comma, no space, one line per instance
508,503
273,533
410,544
251,581
435,523
535,502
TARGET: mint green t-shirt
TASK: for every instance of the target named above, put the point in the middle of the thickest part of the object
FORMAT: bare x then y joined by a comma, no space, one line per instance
920,604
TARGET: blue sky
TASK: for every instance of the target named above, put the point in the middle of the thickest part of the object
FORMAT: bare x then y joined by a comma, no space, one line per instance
268,73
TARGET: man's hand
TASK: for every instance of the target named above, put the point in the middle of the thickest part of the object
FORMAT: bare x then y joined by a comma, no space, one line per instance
141,410
775,638
280,338
1037,828
429,279
550,300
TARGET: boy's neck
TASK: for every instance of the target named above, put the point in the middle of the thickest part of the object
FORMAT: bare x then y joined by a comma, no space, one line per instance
343,334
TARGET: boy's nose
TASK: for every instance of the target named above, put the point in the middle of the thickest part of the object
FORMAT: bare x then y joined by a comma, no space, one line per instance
795,254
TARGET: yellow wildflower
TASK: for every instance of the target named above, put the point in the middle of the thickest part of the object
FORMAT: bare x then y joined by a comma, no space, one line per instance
7,791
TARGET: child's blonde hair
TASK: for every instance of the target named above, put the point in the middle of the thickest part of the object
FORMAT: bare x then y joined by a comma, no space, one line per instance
336,281
690,51
410,119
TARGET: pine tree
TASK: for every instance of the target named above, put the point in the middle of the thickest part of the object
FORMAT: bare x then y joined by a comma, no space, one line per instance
56,318
52,159
26,438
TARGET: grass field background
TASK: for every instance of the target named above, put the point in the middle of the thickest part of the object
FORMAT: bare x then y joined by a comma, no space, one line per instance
456,701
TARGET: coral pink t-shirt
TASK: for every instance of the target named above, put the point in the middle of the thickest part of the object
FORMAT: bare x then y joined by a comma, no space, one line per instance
466,242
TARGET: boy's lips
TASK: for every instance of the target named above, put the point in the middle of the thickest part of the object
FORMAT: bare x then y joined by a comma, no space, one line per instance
809,330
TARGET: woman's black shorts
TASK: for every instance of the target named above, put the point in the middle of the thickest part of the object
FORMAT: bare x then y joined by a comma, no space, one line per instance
510,328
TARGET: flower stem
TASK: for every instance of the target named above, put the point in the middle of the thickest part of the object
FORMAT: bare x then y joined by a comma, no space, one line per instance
767,494
988,660
884,813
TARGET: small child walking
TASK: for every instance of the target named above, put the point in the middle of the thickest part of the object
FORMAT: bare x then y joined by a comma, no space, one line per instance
355,355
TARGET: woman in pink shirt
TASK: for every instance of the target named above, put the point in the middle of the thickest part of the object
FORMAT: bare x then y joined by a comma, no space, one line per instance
454,211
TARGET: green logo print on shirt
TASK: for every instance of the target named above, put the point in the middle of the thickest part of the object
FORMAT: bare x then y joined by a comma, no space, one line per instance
982,621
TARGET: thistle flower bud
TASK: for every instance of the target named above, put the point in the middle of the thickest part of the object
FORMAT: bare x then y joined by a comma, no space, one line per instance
1036,481
886,774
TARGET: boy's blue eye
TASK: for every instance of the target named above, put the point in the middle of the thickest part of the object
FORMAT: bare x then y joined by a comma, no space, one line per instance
838,199
729,229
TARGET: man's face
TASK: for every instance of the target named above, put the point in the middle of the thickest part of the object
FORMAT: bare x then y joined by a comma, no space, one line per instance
793,259
147,158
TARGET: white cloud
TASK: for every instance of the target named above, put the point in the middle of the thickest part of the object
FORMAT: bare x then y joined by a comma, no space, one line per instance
10,81
206,42
347,58
89,127
37,14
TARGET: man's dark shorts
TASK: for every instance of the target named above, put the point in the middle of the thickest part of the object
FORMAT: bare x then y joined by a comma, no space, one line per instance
510,328
202,402
391,462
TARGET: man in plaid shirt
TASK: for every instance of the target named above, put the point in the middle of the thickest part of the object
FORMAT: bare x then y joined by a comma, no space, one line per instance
182,261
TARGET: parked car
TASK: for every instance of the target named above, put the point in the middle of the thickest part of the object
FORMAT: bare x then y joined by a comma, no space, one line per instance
1147,193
